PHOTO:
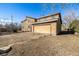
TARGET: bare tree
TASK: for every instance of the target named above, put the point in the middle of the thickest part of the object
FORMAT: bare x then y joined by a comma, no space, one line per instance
51,8
68,18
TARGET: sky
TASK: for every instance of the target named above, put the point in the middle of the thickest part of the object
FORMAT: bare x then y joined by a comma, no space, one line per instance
20,10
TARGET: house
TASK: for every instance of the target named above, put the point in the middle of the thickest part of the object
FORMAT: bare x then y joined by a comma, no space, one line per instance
50,24
26,24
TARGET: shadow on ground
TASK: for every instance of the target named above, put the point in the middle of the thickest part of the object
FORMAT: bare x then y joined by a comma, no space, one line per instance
66,32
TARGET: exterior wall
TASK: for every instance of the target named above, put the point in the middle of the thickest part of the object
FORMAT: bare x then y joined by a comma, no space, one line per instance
26,25
48,18
58,27
54,28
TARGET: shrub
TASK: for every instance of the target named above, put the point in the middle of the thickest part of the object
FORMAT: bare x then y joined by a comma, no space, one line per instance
74,26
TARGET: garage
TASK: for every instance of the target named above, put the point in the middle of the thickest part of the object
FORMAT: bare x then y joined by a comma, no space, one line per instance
45,27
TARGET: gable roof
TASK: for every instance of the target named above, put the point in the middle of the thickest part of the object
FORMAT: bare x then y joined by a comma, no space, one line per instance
44,17
28,17
52,15
49,15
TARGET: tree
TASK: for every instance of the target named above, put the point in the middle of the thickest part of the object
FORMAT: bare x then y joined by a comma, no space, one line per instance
74,25
13,27
69,17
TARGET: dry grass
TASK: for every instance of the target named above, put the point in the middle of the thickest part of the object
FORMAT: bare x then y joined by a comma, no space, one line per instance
18,37
42,46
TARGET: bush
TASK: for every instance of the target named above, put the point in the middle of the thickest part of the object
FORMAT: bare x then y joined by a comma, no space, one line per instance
74,26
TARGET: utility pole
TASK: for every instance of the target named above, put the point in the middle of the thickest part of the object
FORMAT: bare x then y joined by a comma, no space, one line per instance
12,19
12,27
0,21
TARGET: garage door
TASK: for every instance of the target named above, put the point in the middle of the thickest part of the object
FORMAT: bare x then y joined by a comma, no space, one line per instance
42,29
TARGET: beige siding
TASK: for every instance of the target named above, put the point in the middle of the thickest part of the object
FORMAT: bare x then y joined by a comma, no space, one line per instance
26,25
49,18
54,28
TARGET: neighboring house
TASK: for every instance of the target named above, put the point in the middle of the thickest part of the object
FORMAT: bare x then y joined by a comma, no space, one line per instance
50,24
26,24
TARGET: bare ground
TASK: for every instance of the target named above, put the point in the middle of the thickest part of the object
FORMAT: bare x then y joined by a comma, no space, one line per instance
29,44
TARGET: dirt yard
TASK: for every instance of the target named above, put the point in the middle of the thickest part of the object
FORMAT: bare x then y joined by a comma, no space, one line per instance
29,44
